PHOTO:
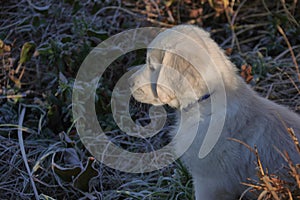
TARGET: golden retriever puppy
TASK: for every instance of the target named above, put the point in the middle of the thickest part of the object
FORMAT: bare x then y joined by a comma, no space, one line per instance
187,70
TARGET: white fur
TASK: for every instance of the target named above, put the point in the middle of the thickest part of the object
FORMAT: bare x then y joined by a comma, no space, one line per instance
249,118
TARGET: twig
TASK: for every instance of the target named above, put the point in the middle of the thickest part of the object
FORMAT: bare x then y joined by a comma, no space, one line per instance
160,23
290,48
284,52
244,192
155,5
290,16
294,6
262,194
295,139
237,11
293,169
292,81
22,148
271,189
243,143
232,21
113,8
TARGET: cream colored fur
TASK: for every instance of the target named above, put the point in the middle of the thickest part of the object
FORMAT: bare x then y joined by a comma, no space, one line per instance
249,117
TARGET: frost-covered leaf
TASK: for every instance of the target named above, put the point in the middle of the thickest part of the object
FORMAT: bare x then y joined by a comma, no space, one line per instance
83,179
66,174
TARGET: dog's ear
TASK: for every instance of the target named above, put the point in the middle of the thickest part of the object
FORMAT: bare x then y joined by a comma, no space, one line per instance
179,83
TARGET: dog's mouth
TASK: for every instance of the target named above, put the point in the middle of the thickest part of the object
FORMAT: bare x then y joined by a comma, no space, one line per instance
167,96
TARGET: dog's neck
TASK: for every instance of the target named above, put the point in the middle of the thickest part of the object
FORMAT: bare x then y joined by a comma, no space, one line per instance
204,97
233,97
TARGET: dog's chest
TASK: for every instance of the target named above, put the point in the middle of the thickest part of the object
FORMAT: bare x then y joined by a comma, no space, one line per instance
192,135
222,158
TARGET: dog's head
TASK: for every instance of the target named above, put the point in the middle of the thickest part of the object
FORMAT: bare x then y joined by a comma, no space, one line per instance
183,65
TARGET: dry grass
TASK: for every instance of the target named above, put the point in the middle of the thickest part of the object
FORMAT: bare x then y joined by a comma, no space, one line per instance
275,186
42,46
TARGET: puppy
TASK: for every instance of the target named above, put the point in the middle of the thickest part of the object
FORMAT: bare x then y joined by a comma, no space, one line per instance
187,70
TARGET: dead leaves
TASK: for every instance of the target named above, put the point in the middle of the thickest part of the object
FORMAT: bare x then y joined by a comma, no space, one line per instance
246,73
78,176
26,54
9,72
66,173
73,172
83,179
219,5
4,48
171,12
271,186
6,63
